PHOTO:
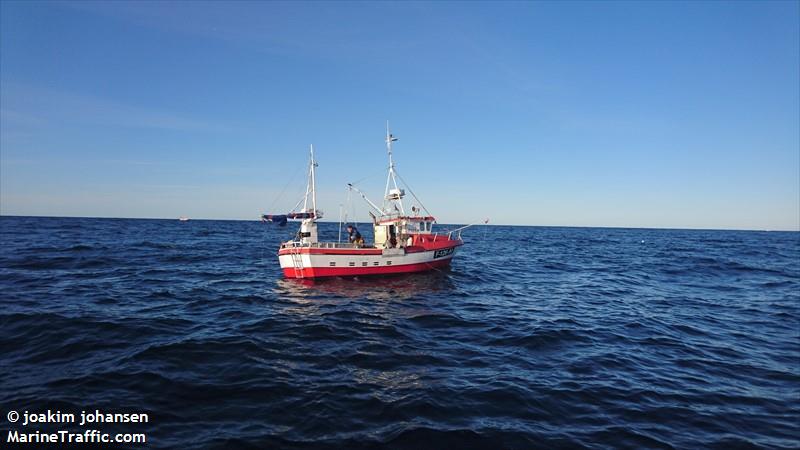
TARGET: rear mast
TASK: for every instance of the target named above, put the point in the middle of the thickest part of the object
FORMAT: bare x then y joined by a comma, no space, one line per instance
308,226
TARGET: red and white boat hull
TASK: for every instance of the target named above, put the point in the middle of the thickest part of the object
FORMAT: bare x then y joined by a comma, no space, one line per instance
401,243
314,262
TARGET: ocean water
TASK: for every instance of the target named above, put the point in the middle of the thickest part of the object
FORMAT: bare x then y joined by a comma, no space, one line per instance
536,338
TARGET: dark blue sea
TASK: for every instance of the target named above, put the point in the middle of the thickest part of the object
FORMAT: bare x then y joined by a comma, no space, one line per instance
536,338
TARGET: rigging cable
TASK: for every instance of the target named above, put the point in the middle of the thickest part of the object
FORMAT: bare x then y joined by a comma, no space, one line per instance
271,206
284,189
412,193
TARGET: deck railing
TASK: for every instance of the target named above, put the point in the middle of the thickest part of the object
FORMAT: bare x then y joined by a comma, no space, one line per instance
298,244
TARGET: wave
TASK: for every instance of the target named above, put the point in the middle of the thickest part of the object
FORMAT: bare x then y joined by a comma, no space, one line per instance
537,338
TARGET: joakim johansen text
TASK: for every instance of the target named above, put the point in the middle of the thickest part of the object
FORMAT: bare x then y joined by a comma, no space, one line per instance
95,416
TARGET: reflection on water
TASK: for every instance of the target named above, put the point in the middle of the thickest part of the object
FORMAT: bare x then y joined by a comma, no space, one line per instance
367,309
389,288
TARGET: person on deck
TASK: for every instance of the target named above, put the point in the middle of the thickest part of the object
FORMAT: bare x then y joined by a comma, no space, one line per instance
355,236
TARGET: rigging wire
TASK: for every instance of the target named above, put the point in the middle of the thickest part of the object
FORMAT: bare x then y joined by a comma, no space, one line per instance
274,202
283,191
412,192
298,204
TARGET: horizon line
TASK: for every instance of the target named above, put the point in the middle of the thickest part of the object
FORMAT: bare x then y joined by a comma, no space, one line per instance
455,223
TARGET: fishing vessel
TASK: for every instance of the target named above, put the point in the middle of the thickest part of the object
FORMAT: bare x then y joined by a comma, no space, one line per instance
404,241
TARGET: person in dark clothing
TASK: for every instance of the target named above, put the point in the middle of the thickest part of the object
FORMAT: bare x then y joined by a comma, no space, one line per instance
355,236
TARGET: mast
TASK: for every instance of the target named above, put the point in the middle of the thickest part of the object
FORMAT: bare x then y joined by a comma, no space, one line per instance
311,186
308,225
391,195
313,183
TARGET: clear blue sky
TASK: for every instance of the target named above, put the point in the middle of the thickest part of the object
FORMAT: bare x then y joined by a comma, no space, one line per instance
639,114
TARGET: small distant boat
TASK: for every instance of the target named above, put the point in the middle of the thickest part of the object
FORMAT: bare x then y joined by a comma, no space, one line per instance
183,219
403,243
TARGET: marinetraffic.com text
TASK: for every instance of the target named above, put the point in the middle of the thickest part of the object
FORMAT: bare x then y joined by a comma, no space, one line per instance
56,419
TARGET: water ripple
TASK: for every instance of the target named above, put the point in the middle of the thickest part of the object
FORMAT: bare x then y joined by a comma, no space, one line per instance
536,338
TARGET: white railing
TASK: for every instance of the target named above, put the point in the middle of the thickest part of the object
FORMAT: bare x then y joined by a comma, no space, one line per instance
458,231
449,234
298,244
333,245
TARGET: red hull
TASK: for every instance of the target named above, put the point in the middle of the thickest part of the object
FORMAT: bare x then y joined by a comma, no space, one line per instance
425,247
316,272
